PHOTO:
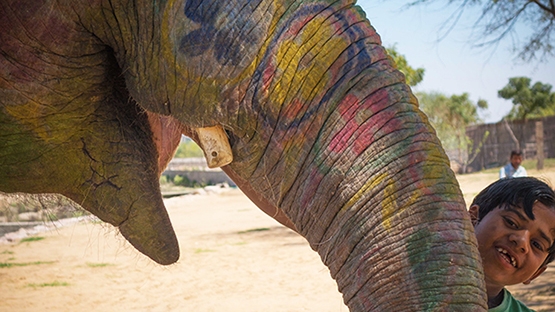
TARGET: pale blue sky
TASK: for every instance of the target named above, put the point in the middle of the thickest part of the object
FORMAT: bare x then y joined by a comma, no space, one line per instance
452,66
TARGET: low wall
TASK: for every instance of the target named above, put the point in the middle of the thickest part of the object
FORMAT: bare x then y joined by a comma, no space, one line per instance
9,227
210,177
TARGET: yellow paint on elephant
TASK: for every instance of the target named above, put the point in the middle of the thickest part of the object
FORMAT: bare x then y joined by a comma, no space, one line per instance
390,203
304,61
47,122
172,26
370,185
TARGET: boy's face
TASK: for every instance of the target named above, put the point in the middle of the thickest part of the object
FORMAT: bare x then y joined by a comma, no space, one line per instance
516,160
513,247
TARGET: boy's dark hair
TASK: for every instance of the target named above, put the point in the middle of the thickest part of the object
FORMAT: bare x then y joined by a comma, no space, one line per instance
515,152
520,192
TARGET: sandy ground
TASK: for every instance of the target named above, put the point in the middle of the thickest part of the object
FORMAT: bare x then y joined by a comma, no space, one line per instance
233,258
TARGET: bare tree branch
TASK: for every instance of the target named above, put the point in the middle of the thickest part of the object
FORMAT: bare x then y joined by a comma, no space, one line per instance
500,20
544,7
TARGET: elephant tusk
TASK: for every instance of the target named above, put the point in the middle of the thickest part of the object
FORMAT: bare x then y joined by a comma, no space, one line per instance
214,143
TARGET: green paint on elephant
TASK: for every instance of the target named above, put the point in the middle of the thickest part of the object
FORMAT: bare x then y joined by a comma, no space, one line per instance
422,259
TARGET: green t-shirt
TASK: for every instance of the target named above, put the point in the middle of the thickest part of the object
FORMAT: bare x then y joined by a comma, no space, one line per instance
510,304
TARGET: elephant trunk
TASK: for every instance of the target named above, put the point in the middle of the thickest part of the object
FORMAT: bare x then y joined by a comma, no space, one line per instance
374,195
123,187
389,223
149,230
344,152
147,226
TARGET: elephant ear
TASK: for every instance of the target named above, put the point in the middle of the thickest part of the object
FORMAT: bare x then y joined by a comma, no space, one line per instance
101,152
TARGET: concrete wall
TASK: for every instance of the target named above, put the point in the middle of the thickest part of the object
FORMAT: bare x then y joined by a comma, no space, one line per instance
196,170
202,177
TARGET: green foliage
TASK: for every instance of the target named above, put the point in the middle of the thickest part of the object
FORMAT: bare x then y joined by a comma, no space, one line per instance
20,207
97,265
14,264
31,239
179,180
188,149
52,284
184,181
450,116
254,230
529,101
202,250
51,216
413,76
164,180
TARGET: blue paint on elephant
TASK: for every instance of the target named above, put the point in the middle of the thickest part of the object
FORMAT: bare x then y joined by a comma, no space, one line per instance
197,42
202,12
226,31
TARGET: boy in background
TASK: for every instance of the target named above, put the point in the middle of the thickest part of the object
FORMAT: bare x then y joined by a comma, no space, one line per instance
513,169
514,222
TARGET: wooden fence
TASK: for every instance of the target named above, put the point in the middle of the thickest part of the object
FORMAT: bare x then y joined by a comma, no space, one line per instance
497,147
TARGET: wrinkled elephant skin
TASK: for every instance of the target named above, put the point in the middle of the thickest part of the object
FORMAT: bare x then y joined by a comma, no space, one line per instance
325,135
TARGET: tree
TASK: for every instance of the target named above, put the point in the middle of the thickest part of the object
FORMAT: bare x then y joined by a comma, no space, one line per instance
450,116
529,102
413,76
187,149
501,20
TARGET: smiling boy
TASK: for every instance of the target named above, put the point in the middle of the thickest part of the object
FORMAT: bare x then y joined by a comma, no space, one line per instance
514,222
513,169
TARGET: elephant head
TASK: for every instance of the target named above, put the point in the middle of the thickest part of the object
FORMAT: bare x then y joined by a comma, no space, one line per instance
325,134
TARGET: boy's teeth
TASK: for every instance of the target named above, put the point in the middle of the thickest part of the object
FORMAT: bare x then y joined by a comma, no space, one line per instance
503,251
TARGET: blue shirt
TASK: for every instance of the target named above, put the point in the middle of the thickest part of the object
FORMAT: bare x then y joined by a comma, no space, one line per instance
509,172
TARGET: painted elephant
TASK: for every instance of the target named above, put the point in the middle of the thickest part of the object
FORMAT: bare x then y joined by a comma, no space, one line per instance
324,133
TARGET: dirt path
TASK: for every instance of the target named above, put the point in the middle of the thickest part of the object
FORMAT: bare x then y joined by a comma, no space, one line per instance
233,258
